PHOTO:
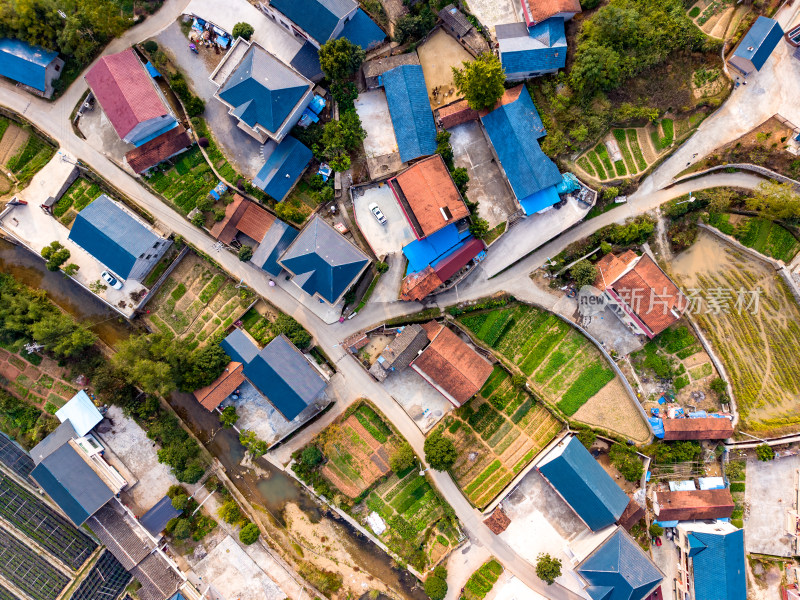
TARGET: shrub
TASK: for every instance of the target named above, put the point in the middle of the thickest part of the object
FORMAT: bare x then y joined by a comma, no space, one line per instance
548,568
249,534
765,452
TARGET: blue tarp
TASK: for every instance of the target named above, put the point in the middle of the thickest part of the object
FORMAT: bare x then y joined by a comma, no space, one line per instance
540,200
658,426
421,253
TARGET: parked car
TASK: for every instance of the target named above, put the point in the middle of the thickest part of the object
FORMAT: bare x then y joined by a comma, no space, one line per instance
111,280
373,208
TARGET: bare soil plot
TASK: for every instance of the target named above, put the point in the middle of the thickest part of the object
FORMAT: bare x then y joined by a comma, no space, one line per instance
497,435
437,55
752,341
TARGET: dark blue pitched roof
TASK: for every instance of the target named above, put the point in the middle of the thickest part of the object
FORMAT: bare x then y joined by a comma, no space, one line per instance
619,570
513,129
762,37
306,61
72,484
155,520
410,111
538,49
111,235
25,63
322,261
277,239
279,371
318,18
362,31
719,567
263,90
283,168
586,487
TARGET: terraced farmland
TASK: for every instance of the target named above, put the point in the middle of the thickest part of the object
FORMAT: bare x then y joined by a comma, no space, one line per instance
30,572
497,435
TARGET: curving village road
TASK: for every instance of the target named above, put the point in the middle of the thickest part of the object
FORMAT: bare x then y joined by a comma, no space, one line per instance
746,108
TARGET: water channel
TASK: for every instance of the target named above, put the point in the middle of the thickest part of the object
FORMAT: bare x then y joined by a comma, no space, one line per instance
273,491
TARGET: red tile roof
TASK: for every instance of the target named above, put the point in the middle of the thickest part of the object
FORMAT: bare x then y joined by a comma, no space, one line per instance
536,11
427,189
694,504
509,96
453,366
255,222
456,114
158,149
651,295
705,428
610,267
125,91
418,285
225,230
227,383
451,265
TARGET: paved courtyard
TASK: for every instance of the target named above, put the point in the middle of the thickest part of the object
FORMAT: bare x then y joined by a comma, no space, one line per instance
769,492
418,398
391,236
487,184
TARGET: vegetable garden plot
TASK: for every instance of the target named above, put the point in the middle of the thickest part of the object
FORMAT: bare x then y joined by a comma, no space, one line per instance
30,572
105,581
15,458
39,522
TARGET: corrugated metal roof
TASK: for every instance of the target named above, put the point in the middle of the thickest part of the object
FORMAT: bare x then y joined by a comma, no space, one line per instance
156,519
513,129
322,261
410,111
318,18
111,235
719,571
619,570
363,31
263,90
25,63
283,168
279,371
759,42
583,483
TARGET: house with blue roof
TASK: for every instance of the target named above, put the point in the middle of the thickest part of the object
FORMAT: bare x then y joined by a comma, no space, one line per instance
283,168
619,570
128,247
322,262
583,484
279,371
715,550
514,128
527,52
265,96
319,21
31,66
756,46
410,111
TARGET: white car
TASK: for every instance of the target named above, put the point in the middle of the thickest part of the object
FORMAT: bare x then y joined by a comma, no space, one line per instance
111,280
373,208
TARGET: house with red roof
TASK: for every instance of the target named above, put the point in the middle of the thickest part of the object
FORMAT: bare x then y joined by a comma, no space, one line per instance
130,98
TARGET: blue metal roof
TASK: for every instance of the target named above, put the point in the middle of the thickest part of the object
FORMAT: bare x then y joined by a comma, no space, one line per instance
719,567
277,239
111,235
421,253
318,18
513,130
322,261
586,487
363,31
410,111
759,42
540,200
25,63
155,520
543,49
263,90
279,371
72,484
283,168
619,570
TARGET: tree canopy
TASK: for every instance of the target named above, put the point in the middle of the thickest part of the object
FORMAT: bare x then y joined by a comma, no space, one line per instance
481,81
340,59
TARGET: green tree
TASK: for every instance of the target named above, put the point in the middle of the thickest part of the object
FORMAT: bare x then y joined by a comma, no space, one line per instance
245,253
249,534
440,452
182,529
402,458
481,81
479,227
340,59
765,452
548,569
228,416
242,29
435,587
583,273
56,255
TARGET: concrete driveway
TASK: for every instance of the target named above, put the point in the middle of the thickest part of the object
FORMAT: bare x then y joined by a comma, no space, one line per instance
243,151
395,233
769,492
